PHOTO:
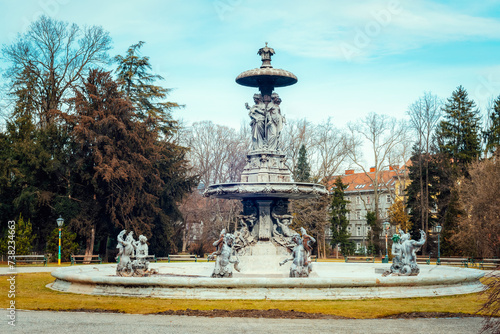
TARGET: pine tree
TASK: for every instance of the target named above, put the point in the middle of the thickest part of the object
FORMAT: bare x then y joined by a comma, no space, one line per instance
128,177
420,199
492,134
459,133
302,171
338,220
137,82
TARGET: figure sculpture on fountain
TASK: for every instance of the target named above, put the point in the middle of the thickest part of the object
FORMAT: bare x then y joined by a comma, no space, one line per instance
226,257
125,252
257,115
301,255
140,266
405,261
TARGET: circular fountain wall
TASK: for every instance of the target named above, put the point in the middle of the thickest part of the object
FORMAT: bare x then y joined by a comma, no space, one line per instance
328,281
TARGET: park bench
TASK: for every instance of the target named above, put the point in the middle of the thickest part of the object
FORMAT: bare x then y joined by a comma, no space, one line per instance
454,261
359,259
490,264
424,259
179,257
30,259
85,259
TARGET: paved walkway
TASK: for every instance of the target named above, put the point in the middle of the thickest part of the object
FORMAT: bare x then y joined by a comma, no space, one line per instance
76,322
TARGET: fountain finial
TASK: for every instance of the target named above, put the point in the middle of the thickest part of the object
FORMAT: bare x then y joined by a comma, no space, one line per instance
265,53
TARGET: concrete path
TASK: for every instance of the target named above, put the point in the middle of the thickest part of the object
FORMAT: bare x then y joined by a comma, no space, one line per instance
76,322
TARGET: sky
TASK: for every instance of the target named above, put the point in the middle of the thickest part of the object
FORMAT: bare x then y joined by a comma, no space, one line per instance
351,57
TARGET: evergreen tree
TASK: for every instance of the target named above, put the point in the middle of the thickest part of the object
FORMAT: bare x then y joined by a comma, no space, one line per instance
137,82
492,134
302,171
374,234
458,141
127,176
421,200
338,220
459,133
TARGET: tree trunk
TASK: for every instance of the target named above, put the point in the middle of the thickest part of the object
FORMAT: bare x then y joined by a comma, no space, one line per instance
89,249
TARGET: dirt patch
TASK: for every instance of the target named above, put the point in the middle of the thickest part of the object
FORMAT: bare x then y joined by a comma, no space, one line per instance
413,315
271,313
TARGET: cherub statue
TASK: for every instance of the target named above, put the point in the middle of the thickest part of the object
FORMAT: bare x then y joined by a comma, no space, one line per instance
140,264
301,257
409,249
126,250
226,258
404,251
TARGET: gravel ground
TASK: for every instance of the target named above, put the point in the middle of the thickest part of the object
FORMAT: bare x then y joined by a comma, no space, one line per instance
81,322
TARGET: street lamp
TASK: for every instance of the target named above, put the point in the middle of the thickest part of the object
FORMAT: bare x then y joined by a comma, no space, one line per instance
438,230
60,222
386,228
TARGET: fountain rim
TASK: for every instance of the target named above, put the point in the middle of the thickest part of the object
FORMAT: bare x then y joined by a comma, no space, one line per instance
258,76
263,190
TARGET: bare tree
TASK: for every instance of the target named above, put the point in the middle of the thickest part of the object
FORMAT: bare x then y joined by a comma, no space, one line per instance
295,134
383,134
330,148
478,228
424,116
218,153
57,55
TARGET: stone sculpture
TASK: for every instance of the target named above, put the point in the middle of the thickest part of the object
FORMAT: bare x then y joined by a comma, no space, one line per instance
405,249
226,257
257,115
125,252
301,255
274,123
126,249
266,122
282,233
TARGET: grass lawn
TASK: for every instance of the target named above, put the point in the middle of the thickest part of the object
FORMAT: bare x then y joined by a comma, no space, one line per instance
32,294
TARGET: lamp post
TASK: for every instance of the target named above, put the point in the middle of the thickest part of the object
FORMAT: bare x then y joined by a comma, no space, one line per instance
438,230
60,222
386,228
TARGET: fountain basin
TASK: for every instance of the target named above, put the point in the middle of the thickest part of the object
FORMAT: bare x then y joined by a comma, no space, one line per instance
328,281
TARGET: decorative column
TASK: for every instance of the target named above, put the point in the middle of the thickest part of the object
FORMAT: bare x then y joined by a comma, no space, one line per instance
265,222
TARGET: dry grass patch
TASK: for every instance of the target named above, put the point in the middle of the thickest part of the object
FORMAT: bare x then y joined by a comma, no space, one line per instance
32,294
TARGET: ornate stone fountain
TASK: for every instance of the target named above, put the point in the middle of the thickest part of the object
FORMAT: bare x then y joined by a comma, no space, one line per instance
262,241
266,182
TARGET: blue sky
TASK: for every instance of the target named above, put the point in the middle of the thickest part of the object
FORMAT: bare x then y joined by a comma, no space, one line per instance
351,57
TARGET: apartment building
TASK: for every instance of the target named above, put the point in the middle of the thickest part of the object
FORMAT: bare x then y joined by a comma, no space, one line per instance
360,192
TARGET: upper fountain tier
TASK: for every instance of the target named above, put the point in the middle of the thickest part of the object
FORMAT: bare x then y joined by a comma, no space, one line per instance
266,78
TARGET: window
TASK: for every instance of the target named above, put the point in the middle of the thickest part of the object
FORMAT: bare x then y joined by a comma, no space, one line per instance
357,199
388,199
367,199
358,245
358,214
348,216
349,228
359,231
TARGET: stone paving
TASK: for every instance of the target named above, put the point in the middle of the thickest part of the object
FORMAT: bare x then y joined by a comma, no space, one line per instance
77,322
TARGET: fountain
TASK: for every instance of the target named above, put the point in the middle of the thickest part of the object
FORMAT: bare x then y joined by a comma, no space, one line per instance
264,242
266,182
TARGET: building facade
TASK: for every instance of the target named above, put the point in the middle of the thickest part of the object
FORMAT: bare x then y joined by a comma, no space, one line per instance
360,193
